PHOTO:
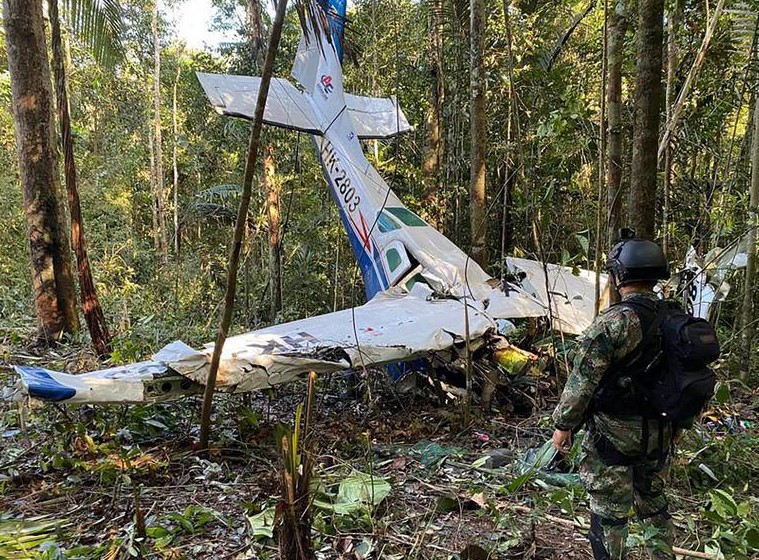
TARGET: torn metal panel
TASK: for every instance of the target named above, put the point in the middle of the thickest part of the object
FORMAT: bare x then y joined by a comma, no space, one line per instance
132,383
388,329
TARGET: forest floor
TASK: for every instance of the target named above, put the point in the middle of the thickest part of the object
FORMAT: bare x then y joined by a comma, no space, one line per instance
398,475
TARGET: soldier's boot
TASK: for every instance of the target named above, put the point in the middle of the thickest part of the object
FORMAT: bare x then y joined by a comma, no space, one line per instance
660,547
607,537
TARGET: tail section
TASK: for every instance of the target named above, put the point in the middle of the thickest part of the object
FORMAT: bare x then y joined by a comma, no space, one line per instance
317,66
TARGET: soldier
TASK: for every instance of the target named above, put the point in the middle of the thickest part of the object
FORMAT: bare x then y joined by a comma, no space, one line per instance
625,454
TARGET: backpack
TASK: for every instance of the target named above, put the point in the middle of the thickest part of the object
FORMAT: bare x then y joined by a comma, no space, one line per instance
667,375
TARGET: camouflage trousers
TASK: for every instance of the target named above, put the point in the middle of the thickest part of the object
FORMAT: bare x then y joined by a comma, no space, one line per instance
615,491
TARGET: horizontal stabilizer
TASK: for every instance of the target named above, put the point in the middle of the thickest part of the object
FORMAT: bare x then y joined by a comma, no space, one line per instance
288,107
236,96
376,117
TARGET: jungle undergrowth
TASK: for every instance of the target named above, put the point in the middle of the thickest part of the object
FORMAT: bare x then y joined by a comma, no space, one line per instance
73,478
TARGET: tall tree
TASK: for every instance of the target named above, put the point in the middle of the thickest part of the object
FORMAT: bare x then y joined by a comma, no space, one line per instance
161,238
478,128
174,155
615,54
673,23
33,114
242,216
433,153
275,229
648,104
748,325
93,312
256,34
257,47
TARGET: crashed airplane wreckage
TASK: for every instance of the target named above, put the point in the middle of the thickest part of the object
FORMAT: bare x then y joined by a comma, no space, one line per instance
417,281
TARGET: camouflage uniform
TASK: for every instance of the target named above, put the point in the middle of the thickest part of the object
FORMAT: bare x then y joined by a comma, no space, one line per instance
615,489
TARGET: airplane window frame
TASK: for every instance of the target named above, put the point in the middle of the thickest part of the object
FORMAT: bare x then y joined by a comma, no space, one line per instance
406,216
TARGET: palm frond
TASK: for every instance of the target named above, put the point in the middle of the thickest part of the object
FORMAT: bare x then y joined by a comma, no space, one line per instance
312,15
99,25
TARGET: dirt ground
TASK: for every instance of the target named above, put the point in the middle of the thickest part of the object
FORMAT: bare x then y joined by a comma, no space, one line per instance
124,482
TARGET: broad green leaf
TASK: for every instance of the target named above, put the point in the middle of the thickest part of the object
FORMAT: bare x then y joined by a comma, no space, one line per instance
262,524
363,488
722,394
723,503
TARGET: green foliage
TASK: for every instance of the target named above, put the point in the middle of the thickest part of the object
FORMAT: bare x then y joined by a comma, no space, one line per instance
171,526
24,538
99,25
735,525
357,495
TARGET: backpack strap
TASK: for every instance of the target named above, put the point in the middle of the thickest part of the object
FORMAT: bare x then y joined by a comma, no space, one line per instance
650,314
610,396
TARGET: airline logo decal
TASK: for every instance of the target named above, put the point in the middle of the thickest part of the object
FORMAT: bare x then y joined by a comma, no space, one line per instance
326,83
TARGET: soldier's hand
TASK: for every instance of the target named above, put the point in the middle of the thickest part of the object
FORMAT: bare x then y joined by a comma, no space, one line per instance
562,440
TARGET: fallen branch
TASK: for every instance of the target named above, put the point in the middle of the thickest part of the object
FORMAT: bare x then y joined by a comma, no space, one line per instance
576,524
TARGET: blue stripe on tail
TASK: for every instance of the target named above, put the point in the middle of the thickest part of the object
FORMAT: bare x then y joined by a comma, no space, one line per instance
335,10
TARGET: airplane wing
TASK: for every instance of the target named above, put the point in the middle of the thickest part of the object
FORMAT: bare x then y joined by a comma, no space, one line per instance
390,328
287,107
572,296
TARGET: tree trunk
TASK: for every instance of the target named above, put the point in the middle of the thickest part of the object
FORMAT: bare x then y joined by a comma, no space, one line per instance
174,162
433,157
691,77
275,230
478,203
616,43
748,327
256,35
242,218
93,312
477,192
506,177
33,115
673,22
158,194
648,102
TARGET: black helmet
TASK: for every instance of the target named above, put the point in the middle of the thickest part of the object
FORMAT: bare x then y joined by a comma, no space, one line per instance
637,260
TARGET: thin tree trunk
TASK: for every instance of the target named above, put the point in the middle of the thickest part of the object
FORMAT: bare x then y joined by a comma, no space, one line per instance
33,115
174,163
648,102
566,36
506,178
617,29
510,162
433,157
673,22
478,128
275,230
153,205
242,219
691,77
748,327
603,168
477,189
158,193
93,312
256,35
